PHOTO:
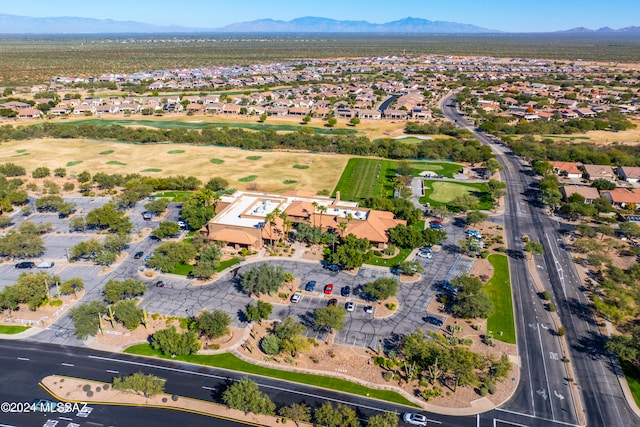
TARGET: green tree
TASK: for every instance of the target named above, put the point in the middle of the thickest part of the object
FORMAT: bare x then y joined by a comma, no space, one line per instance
207,262
21,245
410,268
245,395
168,256
41,172
493,165
381,288
585,230
170,341
263,118
264,279
108,217
85,249
71,286
147,385
60,172
603,184
270,344
128,313
497,188
83,177
463,203
77,223
386,419
259,312
330,318
198,209
33,288
306,119
291,335
157,206
116,290
297,412
534,248
471,300
213,324
217,183
629,229
354,121
351,253
340,416
116,242
332,121
86,318
476,217
166,229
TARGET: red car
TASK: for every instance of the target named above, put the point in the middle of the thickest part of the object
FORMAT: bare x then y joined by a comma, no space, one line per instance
328,289
435,221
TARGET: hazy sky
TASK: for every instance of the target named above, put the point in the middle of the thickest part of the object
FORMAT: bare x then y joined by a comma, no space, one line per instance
504,15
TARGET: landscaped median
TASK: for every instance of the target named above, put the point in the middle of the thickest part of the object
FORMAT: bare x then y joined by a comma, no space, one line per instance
501,321
12,330
230,362
83,391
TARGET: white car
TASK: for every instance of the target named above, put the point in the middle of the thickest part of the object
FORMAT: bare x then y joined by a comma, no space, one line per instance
426,255
350,306
414,419
296,297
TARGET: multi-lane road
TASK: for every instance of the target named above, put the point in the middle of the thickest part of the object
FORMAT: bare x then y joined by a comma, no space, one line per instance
543,396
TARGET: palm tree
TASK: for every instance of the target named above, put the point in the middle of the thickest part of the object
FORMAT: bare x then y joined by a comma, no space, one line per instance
315,206
286,225
322,209
343,226
268,222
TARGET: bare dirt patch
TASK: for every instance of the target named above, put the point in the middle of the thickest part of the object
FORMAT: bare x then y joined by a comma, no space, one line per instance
43,316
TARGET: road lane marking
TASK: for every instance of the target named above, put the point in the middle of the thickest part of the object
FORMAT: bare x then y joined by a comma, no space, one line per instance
111,371
67,364
23,358
536,418
495,421
209,388
288,390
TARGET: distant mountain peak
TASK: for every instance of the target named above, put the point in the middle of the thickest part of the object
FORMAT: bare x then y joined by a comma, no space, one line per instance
313,24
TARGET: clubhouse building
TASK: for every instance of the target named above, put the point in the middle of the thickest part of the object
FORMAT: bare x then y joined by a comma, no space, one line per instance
248,219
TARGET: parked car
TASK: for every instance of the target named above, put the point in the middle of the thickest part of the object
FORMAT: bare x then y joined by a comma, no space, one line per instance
350,306
345,291
328,289
25,264
435,221
414,419
159,284
310,286
426,255
182,224
368,309
433,320
436,226
147,216
138,255
46,264
332,301
296,297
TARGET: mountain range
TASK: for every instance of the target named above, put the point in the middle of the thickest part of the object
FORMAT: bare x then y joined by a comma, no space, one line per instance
13,24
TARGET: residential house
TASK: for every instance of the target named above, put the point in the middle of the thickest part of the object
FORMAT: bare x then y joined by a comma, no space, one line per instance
589,193
568,169
599,172
29,113
629,173
395,114
621,197
369,114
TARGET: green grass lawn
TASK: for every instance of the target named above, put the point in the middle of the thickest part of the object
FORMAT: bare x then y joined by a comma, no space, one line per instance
176,151
227,263
446,169
217,161
106,152
182,269
74,163
632,374
442,192
174,124
231,362
248,178
364,178
175,196
254,157
151,170
289,181
585,138
10,329
301,166
389,262
499,290
116,162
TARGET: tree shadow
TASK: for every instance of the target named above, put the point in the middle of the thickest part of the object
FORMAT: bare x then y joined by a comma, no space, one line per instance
592,345
515,254
583,311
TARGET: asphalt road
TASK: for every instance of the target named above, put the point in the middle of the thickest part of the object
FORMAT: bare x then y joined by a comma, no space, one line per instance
543,393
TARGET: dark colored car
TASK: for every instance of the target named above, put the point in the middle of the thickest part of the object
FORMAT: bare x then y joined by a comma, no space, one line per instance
436,226
310,286
25,264
159,284
345,291
147,216
138,255
433,320
328,289
332,301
